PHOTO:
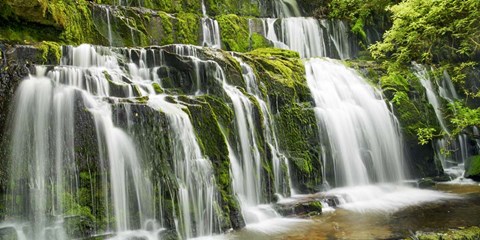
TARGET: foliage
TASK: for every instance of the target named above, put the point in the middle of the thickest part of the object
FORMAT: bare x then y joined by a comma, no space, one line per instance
361,13
425,135
464,117
431,30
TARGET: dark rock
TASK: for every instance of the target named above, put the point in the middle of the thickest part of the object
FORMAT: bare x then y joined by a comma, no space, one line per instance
472,168
16,63
426,183
236,219
307,206
8,233
421,160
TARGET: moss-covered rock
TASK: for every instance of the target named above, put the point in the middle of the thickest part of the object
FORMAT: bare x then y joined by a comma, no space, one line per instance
214,146
72,19
282,80
234,32
472,168
468,233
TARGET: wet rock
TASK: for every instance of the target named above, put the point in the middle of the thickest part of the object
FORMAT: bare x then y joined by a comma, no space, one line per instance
307,206
168,235
426,183
8,233
472,168
16,62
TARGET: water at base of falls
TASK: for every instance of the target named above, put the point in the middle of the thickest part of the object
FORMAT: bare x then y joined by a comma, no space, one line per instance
384,198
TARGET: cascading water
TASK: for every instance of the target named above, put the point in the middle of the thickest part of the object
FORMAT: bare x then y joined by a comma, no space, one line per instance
362,133
210,30
310,37
453,164
197,193
44,121
365,150
246,162
422,74
286,8
282,184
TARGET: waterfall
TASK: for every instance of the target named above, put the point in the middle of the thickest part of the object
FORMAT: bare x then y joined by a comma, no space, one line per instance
95,79
282,185
363,135
286,8
210,30
197,193
453,164
310,37
109,27
422,74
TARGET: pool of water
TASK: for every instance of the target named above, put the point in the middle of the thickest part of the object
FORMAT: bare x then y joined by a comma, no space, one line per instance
462,210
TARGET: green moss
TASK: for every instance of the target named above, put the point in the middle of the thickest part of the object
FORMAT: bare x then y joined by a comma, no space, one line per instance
282,72
26,33
259,41
473,168
187,29
72,18
51,52
238,7
274,52
469,233
158,89
167,28
213,143
234,32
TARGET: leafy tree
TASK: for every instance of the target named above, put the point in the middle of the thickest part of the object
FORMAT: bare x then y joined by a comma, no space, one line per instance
429,31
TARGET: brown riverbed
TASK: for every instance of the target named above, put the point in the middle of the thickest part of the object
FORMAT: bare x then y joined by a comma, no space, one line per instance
429,217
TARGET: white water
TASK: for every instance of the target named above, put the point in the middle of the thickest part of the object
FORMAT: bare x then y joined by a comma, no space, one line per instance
282,180
210,30
438,88
310,37
197,193
422,74
109,26
286,8
45,120
385,198
363,135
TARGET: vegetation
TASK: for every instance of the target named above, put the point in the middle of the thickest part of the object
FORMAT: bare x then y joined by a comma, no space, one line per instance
453,234
431,31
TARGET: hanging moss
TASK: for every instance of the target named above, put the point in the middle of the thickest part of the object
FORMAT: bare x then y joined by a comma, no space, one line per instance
51,52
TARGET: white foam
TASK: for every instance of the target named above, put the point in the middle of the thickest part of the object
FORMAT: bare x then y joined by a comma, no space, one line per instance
385,198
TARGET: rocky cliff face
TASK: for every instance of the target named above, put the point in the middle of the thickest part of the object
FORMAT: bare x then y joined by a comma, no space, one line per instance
281,102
